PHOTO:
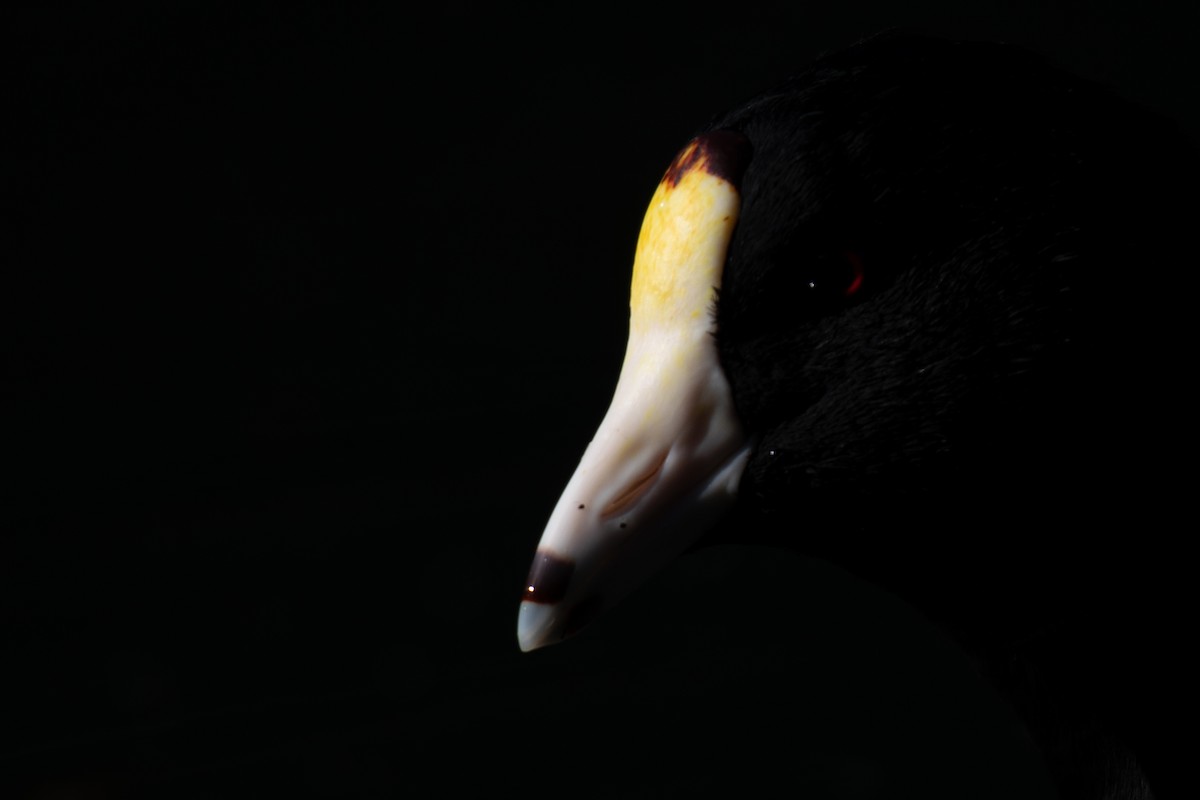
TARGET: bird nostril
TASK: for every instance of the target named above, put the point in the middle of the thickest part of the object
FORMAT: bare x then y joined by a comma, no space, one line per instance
548,579
634,491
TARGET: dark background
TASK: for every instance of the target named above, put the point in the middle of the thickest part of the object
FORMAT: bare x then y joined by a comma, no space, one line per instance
308,312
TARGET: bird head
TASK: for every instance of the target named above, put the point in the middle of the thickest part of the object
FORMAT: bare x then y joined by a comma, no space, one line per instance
867,309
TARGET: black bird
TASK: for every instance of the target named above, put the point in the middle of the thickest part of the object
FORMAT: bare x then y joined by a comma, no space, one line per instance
923,310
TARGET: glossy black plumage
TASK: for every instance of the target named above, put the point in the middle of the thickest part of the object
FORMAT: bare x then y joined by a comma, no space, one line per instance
955,317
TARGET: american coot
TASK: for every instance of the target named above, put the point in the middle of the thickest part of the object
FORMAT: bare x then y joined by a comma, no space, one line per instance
921,310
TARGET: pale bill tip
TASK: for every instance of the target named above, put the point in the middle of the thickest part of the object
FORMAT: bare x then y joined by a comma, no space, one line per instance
535,624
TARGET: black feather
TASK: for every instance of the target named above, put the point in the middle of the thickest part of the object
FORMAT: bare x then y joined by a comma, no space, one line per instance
983,423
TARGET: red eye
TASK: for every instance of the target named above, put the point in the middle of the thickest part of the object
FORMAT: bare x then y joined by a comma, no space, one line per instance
807,282
835,276
856,272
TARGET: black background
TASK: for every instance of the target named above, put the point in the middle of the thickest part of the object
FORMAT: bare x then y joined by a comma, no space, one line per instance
308,312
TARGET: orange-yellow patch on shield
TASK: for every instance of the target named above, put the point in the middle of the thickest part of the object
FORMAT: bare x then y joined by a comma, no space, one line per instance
682,245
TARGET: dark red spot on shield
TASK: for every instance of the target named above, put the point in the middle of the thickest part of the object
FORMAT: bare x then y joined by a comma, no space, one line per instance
722,153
